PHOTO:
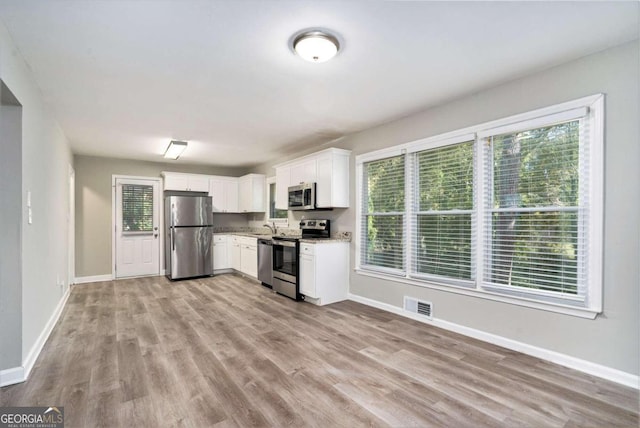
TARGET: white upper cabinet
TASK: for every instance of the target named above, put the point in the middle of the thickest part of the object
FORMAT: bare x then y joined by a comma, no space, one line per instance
228,194
332,183
329,169
283,178
304,172
186,182
252,189
224,194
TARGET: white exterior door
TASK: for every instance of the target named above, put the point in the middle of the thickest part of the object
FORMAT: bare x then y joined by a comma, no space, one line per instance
137,221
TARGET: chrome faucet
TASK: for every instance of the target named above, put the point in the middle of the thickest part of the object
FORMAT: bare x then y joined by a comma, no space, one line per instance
274,229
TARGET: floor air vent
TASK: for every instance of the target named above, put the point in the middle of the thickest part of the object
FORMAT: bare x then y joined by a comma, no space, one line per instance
419,307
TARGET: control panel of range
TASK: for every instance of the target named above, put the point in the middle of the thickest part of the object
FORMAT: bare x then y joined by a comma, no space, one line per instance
320,229
314,224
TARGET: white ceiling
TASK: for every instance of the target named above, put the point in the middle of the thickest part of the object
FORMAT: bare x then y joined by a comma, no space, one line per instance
125,77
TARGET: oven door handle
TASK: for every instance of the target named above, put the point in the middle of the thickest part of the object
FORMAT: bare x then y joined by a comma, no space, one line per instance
284,244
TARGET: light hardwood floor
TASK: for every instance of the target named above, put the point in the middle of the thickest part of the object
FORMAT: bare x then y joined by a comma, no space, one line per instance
225,351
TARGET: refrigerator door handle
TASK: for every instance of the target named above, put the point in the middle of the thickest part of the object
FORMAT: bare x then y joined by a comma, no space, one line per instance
173,227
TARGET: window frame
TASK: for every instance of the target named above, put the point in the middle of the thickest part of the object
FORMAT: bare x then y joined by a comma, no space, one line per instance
416,212
283,222
593,107
361,215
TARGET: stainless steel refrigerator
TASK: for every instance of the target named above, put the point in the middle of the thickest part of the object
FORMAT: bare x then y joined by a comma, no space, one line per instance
188,245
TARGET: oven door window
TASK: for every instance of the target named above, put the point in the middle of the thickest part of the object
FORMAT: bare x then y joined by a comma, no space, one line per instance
285,260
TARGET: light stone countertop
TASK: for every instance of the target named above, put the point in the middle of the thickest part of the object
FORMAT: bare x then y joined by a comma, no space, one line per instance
260,234
335,237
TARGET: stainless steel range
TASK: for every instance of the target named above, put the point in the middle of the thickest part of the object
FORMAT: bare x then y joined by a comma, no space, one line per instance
286,256
285,266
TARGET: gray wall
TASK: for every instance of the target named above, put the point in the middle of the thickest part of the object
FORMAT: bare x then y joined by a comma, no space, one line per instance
613,338
94,209
45,163
10,219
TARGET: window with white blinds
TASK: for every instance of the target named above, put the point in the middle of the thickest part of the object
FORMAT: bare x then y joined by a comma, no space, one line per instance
137,208
383,215
443,216
535,208
512,208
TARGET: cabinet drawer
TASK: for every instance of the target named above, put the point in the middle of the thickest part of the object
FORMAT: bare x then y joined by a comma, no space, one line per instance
247,241
308,249
220,239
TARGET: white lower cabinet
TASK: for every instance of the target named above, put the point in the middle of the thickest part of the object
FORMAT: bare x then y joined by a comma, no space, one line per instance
221,253
324,272
249,258
235,252
308,274
244,255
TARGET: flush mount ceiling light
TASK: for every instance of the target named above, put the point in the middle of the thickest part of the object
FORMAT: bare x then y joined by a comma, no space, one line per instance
175,149
316,46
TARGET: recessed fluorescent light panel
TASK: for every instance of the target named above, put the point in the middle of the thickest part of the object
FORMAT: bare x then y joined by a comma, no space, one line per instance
175,149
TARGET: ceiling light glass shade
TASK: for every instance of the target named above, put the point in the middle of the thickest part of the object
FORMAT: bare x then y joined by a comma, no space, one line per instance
175,149
316,46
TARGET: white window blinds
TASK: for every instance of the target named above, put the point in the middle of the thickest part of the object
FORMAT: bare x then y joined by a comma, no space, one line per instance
535,209
510,210
383,219
137,208
442,222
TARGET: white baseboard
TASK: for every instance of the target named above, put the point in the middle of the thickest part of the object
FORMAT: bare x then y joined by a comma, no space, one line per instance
584,366
94,278
30,361
12,376
20,374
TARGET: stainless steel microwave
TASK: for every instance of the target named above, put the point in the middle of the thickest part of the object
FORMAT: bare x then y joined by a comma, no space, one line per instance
302,197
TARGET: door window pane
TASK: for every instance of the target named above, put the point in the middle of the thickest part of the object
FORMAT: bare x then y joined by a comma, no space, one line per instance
137,208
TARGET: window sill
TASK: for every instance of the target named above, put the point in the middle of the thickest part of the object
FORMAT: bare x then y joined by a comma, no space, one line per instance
587,313
279,221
